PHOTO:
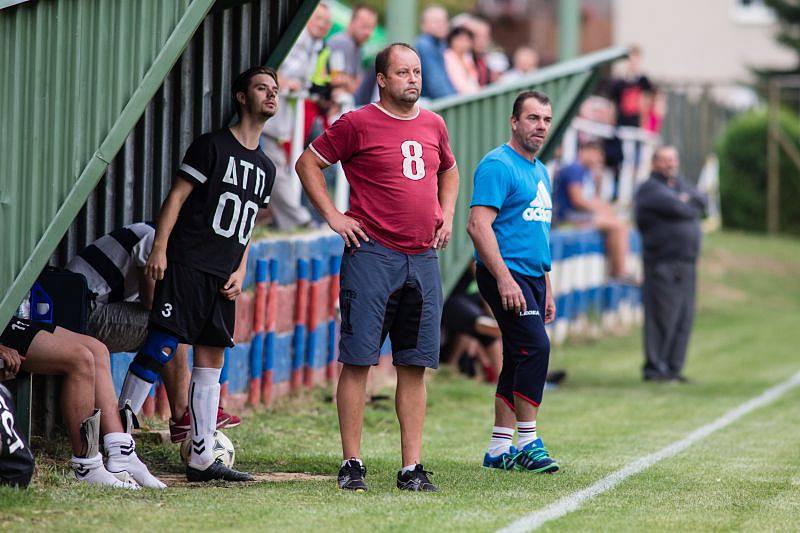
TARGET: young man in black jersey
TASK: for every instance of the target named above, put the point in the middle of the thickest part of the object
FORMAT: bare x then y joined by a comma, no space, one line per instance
199,260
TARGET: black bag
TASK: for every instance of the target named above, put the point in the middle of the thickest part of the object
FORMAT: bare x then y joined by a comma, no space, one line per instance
71,297
16,459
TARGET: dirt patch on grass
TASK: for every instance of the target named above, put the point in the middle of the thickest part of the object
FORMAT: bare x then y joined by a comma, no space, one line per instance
179,480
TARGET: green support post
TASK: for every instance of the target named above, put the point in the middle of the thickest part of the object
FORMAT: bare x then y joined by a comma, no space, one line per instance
401,20
569,29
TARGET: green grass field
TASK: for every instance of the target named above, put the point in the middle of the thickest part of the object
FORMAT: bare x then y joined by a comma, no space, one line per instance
744,477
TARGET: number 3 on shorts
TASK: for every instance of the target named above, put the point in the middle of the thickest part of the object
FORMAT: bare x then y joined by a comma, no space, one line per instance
413,164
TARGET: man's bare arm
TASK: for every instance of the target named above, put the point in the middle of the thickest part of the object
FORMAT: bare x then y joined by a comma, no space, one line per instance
448,193
309,168
480,230
157,262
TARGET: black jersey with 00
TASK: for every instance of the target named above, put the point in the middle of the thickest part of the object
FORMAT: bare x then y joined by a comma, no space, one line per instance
231,183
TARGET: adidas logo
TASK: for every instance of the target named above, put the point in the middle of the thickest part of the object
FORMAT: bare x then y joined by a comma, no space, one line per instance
541,208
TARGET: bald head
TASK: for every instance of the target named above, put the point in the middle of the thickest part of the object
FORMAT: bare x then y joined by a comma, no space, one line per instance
320,22
666,161
434,22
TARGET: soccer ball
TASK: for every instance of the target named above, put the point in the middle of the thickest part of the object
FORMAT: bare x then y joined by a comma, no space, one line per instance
222,449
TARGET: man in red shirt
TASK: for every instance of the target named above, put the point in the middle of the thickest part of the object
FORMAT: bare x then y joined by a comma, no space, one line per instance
403,187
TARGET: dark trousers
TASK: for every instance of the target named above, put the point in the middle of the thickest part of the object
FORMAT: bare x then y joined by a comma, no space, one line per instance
668,295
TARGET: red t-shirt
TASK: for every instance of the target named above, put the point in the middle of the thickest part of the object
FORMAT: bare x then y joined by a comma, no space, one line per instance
392,165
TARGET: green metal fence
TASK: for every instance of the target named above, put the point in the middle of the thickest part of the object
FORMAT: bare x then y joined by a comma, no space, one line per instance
478,123
76,78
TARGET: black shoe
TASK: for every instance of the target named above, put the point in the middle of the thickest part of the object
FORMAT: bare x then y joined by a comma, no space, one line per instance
417,480
217,470
351,476
658,378
556,376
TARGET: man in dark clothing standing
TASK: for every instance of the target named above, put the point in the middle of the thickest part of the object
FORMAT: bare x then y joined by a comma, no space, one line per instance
668,211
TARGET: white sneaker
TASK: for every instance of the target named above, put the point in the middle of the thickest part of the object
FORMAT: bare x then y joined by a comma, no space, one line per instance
123,461
142,475
92,471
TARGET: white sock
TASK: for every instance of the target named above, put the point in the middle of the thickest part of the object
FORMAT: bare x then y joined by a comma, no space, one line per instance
526,433
203,403
501,440
136,390
344,462
91,470
409,468
119,447
122,457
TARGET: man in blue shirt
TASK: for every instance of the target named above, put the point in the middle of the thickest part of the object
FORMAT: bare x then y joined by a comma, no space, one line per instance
431,45
509,223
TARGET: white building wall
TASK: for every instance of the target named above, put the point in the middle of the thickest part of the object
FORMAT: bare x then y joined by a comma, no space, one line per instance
700,40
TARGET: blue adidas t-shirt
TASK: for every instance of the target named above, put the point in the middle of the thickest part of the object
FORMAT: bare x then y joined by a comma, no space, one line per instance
520,191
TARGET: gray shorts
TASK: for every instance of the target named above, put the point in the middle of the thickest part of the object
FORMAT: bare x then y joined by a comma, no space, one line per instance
121,326
384,292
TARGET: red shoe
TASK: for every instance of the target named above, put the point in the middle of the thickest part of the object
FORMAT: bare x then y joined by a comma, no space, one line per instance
226,420
179,431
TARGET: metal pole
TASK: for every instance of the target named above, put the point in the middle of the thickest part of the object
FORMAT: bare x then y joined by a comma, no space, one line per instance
401,20
569,29
773,160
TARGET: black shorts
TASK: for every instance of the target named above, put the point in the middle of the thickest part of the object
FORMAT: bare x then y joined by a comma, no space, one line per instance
19,334
188,304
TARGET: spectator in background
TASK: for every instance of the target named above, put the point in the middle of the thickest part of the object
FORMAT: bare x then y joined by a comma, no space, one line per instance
668,211
294,76
525,61
473,331
345,56
577,201
431,45
655,109
628,89
88,400
459,63
482,40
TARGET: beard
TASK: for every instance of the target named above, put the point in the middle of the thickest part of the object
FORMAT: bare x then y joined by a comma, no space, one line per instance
408,97
531,146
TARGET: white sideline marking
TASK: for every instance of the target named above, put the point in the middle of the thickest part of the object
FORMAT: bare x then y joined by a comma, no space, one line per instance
572,502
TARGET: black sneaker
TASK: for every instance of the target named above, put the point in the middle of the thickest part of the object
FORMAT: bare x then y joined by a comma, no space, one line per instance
217,470
417,480
351,476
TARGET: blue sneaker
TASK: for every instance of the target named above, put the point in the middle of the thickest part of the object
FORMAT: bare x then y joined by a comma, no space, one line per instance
504,461
534,458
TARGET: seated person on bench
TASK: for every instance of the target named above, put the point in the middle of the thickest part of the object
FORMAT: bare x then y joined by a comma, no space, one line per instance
88,400
114,269
578,201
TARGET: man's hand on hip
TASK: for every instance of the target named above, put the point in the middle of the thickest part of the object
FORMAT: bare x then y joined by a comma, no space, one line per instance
348,229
